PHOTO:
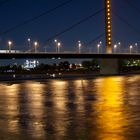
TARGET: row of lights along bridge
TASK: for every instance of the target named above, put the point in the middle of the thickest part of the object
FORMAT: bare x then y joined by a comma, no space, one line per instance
117,48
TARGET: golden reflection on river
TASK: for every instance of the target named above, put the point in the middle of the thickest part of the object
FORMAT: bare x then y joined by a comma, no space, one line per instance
106,108
8,107
111,117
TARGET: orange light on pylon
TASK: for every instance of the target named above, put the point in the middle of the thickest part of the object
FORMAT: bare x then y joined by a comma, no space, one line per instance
108,26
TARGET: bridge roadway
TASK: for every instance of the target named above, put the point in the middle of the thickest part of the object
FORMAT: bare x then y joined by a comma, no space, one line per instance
42,55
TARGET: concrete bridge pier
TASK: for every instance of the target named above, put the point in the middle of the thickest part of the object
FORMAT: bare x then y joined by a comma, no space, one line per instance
109,66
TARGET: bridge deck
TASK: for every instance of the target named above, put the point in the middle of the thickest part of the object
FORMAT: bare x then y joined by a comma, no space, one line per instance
21,55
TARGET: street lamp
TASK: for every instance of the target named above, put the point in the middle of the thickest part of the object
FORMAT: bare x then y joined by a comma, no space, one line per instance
56,43
9,45
98,48
100,42
130,48
136,45
46,48
29,43
115,48
58,46
119,45
35,45
79,46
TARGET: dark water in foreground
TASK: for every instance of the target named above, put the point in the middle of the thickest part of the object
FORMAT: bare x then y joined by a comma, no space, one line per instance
105,108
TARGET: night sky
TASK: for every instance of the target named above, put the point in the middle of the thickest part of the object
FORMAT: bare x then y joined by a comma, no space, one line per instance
15,12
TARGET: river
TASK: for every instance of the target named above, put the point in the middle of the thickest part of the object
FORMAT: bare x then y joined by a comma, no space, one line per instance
102,108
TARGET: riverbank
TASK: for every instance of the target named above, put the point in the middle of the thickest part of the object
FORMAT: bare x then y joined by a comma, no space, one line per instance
15,77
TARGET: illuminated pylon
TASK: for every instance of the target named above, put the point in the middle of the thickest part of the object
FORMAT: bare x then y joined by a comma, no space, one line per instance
108,26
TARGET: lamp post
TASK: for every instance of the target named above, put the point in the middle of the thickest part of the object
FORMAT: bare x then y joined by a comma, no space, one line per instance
35,46
115,48
99,45
136,45
58,46
119,45
29,43
45,48
79,46
130,48
98,48
9,46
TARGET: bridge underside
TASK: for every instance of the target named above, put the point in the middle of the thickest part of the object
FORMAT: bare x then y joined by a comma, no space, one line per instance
66,55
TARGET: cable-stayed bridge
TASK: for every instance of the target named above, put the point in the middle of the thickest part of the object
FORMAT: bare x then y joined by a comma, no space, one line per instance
108,35
108,59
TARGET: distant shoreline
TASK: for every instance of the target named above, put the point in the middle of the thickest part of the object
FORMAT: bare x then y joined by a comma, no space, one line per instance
15,77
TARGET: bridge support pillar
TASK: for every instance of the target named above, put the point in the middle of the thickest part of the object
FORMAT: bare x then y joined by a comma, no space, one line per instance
109,66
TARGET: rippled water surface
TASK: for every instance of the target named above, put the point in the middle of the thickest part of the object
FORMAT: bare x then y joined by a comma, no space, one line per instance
106,108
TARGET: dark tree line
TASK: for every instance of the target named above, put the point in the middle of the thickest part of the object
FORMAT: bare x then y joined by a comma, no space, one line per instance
125,65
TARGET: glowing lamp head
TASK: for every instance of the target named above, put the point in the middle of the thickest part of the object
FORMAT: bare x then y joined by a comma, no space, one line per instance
55,40
131,46
115,46
35,43
9,43
59,44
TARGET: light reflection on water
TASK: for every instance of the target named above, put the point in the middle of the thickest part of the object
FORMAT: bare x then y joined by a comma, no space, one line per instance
106,108
111,116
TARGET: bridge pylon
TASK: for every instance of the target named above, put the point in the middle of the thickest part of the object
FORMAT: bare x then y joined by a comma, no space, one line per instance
108,26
